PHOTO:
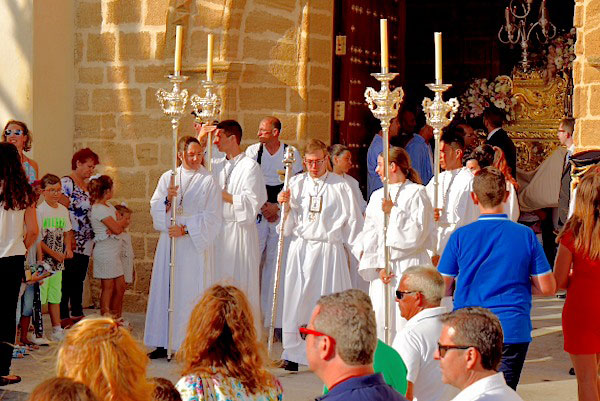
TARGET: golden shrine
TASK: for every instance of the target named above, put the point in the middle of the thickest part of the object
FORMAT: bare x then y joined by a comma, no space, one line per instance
542,102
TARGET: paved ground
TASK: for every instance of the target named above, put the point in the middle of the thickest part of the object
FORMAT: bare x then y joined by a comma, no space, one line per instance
545,376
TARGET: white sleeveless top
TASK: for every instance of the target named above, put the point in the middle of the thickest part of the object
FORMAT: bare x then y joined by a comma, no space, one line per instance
12,224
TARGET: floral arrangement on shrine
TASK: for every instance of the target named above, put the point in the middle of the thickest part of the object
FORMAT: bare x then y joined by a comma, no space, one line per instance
559,54
482,93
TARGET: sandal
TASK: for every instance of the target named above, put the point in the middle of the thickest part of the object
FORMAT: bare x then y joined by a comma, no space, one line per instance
19,352
12,379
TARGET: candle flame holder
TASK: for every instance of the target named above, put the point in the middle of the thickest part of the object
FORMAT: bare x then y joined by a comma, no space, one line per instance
439,114
207,108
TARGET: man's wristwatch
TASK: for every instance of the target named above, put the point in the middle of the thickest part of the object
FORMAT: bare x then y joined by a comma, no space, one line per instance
185,230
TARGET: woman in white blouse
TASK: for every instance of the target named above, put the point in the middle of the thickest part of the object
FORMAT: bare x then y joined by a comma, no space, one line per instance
17,209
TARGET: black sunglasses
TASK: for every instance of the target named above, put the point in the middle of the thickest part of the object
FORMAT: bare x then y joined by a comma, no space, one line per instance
401,294
442,349
17,132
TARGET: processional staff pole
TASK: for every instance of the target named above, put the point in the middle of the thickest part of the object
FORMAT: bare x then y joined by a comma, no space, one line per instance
436,113
288,162
173,105
384,106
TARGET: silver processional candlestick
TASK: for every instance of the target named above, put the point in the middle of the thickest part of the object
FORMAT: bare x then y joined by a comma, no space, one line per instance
173,105
384,105
208,109
439,114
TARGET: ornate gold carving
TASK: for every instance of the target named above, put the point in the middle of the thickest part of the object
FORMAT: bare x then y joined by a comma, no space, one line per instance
540,107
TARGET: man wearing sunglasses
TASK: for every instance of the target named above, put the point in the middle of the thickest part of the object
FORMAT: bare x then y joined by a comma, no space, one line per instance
419,296
469,353
340,343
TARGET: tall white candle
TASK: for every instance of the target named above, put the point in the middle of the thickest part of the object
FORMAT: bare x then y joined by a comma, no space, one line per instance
209,57
384,45
178,46
437,38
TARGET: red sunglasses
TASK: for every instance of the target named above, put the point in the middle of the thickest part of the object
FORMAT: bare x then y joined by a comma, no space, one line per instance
304,332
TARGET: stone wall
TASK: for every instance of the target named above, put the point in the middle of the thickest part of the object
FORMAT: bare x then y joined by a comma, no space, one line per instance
272,57
586,74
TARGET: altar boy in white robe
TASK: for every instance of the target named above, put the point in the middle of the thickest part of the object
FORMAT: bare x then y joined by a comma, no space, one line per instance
408,235
237,256
455,208
198,205
323,218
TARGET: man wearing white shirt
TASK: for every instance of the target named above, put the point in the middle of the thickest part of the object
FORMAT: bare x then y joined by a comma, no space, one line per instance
493,118
419,295
469,351
269,153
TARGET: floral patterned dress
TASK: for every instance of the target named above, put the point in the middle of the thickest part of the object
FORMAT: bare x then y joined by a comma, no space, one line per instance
217,387
79,210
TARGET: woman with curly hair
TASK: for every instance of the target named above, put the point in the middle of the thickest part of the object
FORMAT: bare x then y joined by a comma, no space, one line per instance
221,355
17,206
103,355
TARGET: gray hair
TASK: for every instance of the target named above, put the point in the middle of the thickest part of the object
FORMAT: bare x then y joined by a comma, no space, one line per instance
349,318
427,281
478,328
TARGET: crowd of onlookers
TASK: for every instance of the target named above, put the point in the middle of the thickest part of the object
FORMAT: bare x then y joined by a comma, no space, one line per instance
51,226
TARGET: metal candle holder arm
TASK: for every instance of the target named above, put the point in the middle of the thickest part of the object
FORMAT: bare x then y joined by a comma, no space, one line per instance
208,109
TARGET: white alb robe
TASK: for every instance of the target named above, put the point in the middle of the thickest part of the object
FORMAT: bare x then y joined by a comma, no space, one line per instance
317,263
193,273
409,236
237,256
357,281
455,187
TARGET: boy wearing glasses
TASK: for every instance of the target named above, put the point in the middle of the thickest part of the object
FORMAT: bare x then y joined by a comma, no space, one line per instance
54,247
323,220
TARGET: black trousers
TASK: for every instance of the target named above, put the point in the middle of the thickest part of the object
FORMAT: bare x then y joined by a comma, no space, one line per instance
513,359
13,273
72,285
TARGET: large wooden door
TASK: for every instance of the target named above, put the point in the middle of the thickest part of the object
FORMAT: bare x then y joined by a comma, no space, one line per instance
356,56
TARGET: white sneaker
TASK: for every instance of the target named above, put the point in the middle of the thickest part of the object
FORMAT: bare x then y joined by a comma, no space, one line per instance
37,340
57,335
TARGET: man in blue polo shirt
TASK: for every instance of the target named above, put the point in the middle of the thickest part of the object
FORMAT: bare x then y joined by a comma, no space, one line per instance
497,265
340,342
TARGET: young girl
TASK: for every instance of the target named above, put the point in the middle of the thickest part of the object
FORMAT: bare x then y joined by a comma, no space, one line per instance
408,235
107,247
577,269
124,215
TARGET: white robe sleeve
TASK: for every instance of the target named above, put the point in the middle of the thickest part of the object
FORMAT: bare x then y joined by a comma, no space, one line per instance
410,224
371,241
511,206
247,204
355,220
202,227
158,209
293,214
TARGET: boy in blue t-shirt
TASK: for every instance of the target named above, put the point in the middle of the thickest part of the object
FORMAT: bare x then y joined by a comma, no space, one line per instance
498,264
